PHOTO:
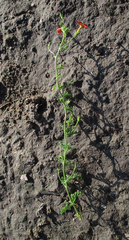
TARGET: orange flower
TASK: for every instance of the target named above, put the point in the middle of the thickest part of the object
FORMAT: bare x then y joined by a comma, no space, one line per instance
59,30
81,25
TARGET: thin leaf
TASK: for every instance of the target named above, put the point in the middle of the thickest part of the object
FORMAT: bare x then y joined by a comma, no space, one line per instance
68,102
69,178
64,42
68,84
76,175
61,86
53,88
61,100
64,209
76,33
61,23
64,30
74,196
59,173
69,163
78,215
64,47
78,118
67,95
62,126
60,66
59,159
59,76
70,120
66,147
59,169
70,109
61,16
49,44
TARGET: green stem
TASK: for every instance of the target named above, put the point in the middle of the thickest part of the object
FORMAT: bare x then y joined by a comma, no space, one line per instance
65,135
72,38
50,51
65,142
65,119
57,79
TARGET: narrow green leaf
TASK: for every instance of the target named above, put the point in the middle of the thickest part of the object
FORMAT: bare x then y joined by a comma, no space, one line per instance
64,42
64,47
76,175
74,196
70,147
61,16
67,95
62,100
69,178
67,108
69,163
64,209
66,147
68,102
49,44
78,215
62,126
61,86
61,23
60,66
59,169
76,33
70,116
59,159
59,76
78,118
64,30
53,88
68,84
71,81
71,120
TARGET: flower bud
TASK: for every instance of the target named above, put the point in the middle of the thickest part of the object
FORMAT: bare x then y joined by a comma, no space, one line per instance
59,30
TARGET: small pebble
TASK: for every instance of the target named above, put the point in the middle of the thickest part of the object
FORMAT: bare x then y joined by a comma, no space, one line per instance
24,177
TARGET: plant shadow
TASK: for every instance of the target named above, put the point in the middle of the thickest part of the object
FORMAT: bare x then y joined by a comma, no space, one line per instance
100,143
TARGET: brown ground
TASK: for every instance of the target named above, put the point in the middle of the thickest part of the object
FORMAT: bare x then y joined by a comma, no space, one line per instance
31,195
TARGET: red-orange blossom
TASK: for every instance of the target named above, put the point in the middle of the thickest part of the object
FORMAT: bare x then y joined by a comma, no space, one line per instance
79,22
81,25
59,30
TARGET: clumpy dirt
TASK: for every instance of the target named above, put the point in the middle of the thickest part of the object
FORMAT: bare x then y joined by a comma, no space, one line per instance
31,194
